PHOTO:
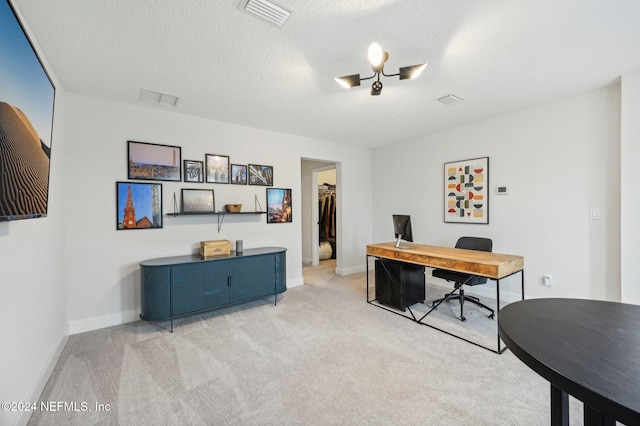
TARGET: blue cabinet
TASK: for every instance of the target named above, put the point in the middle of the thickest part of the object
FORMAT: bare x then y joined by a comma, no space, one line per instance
181,285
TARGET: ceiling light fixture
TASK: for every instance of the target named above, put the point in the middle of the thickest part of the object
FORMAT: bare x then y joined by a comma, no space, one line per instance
377,59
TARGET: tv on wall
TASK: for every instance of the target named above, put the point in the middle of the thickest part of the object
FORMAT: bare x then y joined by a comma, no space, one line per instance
27,97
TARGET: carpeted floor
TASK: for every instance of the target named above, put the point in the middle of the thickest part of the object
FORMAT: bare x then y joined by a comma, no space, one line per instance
322,356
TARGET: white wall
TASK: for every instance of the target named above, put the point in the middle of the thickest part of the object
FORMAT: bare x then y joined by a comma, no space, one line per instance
559,160
630,204
102,266
33,299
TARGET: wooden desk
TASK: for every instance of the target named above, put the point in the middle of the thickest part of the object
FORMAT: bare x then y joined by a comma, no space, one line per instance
494,266
586,348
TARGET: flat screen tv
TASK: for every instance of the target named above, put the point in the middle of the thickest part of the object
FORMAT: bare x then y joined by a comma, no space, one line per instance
402,229
27,97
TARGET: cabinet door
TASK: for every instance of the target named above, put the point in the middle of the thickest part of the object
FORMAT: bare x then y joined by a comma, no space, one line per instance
252,277
200,286
154,292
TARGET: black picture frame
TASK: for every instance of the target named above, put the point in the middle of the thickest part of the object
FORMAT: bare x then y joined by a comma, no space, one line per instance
279,209
198,201
138,205
152,161
260,175
193,171
217,168
239,174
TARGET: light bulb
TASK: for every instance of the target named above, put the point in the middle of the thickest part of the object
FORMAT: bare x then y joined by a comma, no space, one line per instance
376,55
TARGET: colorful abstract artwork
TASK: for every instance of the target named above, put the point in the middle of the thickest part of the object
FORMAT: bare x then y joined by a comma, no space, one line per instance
466,195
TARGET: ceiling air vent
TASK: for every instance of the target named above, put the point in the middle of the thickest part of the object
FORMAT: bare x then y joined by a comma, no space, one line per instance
450,99
268,11
159,98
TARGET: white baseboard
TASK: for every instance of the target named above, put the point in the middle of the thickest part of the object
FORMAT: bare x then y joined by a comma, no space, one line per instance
44,379
296,282
351,270
102,321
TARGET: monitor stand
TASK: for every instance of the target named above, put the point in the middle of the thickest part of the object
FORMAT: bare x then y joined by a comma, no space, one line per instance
399,245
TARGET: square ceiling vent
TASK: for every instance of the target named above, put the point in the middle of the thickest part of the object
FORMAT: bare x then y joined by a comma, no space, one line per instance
159,98
450,99
269,11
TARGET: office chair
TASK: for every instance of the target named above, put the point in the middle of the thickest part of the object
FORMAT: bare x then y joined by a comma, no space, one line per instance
460,279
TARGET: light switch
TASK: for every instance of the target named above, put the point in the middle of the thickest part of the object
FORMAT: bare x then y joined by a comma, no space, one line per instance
595,213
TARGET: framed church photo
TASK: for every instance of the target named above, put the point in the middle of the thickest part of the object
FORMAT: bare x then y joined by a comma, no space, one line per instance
139,205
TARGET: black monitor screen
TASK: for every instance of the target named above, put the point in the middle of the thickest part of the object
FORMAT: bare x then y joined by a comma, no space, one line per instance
402,228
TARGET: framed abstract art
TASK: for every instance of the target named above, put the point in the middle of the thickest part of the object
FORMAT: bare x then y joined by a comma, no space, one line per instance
466,195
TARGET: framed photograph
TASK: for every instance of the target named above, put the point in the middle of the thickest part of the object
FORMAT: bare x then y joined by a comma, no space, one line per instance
217,168
279,205
198,201
238,174
139,205
466,195
193,171
260,175
150,161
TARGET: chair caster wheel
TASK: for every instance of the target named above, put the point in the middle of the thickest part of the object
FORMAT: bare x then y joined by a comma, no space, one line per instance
491,316
463,319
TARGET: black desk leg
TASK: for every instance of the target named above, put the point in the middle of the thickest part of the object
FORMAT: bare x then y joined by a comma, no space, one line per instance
594,417
559,407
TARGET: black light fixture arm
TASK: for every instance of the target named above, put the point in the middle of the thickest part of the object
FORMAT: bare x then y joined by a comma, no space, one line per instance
369,78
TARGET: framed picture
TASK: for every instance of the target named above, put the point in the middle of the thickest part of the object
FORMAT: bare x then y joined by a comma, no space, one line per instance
238,174
193,171
217,168
279,205
260,175
466,195
151,161
139,205
198,201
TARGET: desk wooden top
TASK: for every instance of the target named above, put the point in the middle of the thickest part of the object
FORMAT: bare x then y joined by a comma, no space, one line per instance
486,264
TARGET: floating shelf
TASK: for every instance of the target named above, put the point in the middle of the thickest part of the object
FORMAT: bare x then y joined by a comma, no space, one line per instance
220,214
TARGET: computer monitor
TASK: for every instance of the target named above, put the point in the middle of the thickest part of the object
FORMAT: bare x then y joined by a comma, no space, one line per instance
402,228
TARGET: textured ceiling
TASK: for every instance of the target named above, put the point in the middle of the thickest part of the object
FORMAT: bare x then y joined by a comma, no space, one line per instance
227,65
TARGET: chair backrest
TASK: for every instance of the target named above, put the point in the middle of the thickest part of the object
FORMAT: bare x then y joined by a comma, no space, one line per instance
475,243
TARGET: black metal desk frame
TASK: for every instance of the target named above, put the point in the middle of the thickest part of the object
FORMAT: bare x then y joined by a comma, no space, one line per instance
500,348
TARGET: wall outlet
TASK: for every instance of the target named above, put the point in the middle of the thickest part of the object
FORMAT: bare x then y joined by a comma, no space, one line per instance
546,280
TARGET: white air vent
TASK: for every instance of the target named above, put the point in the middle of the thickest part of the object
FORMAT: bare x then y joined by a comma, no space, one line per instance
158,98
268,11
450,99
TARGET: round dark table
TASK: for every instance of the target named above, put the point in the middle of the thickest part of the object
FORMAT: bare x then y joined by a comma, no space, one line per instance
585,348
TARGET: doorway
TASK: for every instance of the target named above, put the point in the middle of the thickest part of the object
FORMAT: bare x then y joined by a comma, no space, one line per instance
320,183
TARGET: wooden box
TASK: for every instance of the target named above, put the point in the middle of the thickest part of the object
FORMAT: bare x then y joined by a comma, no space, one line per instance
214,248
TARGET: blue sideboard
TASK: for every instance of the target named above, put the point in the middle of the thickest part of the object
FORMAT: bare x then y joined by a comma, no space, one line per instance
182,285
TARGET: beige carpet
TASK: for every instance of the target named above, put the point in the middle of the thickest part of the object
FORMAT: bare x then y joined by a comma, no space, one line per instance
322,356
